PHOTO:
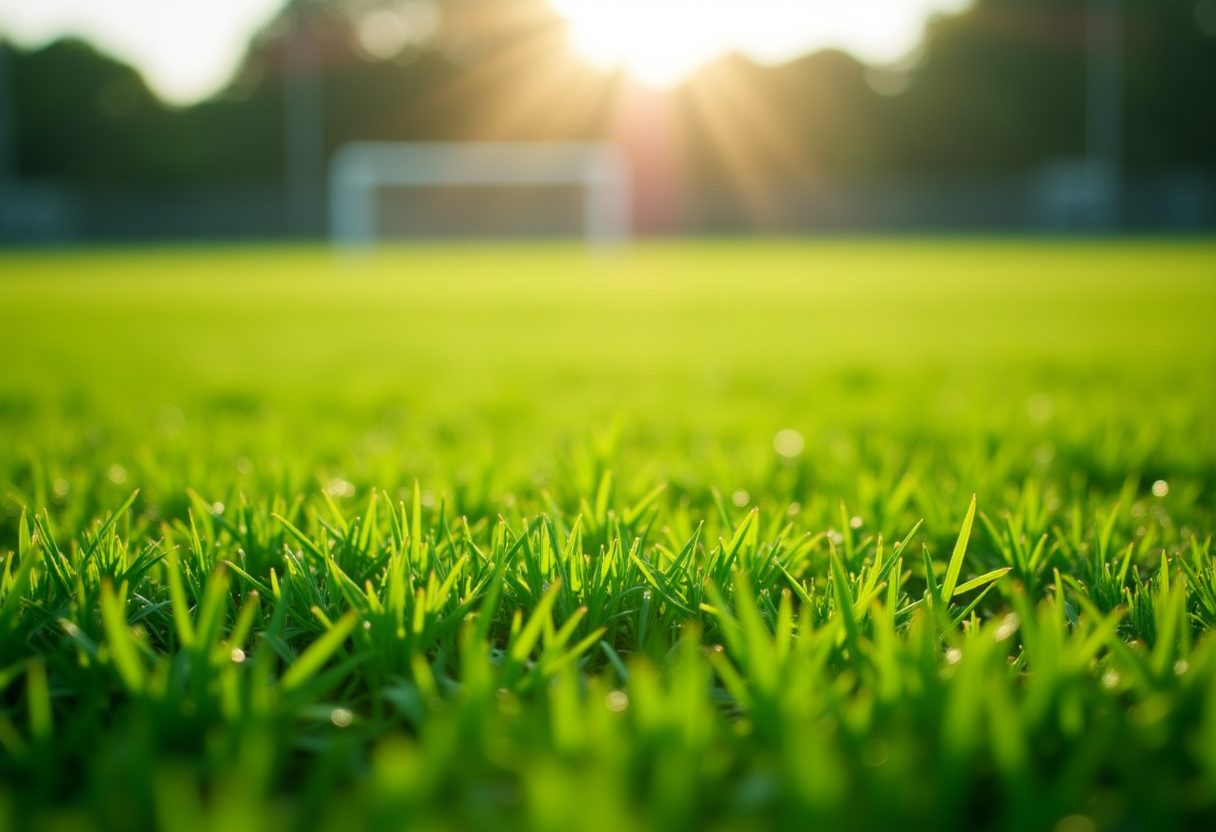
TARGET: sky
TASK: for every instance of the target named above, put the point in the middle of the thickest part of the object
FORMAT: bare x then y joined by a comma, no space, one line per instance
188,49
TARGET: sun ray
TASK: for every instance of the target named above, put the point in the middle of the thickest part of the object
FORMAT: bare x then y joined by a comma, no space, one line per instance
745,137
552,94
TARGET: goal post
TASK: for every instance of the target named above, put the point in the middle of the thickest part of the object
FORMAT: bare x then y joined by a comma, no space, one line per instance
360,169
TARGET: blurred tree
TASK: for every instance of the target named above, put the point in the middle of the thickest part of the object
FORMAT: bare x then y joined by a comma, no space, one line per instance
1170,84
997,88
1002,86
87,119
82,116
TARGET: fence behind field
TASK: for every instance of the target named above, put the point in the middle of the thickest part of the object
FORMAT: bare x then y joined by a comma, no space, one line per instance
1181,202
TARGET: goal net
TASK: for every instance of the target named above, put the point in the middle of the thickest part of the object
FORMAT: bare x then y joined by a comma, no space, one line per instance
362,174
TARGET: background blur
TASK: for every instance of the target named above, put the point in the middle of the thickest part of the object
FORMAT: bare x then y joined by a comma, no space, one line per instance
1010,115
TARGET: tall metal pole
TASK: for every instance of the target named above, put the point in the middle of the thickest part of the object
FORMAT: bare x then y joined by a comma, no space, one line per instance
8,140
303,140
1104,105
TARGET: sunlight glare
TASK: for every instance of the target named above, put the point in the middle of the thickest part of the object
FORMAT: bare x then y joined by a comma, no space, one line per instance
662,42
659,43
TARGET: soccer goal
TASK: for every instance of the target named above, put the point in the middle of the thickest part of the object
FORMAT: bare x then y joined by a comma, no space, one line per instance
361,171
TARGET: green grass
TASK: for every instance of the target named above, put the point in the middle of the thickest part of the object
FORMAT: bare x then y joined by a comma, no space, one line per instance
720,535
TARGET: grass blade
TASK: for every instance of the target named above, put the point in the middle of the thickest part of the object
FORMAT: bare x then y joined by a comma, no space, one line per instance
960,551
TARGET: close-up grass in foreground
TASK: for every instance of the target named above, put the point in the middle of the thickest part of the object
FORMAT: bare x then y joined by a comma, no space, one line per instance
715,535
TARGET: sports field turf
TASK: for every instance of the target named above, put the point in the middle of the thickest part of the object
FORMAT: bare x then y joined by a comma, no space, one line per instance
856,534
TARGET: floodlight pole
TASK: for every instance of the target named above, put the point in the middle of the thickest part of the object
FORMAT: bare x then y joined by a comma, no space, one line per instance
303,142
9,181
1104,104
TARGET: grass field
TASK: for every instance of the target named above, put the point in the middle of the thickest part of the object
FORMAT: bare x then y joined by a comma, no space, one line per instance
856,534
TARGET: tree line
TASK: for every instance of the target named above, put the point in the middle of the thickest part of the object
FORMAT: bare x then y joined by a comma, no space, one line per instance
996,89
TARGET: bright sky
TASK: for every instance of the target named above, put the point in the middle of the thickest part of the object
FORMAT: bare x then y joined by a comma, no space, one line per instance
663,41
188,49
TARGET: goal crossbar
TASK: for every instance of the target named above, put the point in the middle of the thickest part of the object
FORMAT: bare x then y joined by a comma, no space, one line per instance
359,169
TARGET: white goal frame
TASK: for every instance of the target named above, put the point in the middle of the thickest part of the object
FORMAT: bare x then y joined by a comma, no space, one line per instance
359,169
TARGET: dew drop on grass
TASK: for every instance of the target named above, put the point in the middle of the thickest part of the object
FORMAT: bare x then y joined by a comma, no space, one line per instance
341,717
217,508
788,443
1161,488
1180,667
1041,408
237,655
874,753
117,474
617,701
793,509
339,487
60,487
1007,627
855,522
953,655
244,465
740,498
1110,679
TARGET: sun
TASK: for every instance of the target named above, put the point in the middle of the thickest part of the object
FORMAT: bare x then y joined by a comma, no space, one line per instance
659,42
663,42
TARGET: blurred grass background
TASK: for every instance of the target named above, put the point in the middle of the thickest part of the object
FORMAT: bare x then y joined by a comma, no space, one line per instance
425,361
